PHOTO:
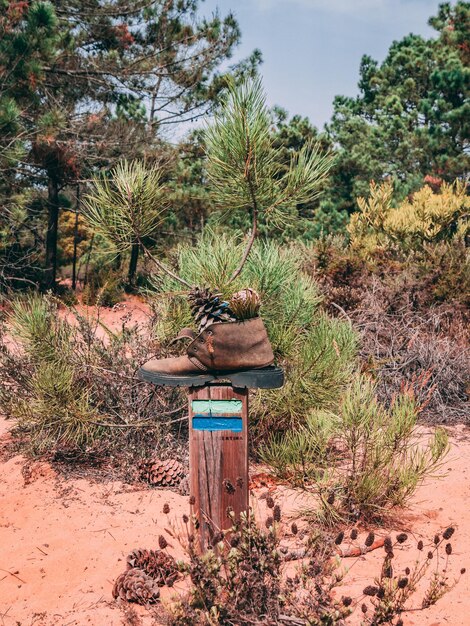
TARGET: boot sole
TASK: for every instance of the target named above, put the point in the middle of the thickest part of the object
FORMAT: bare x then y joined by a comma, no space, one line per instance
266,378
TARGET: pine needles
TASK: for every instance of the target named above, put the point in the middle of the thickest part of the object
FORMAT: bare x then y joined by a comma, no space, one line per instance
362,460
69,384
245,168
56,408
127,204
317,352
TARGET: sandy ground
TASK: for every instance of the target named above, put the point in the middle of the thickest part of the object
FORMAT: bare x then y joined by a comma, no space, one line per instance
63,541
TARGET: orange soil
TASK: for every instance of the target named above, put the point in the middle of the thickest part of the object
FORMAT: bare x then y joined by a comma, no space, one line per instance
64,541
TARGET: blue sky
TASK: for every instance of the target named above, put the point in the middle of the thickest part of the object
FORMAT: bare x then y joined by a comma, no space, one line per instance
312,48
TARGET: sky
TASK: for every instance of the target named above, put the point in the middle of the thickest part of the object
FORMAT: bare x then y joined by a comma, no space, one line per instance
312,48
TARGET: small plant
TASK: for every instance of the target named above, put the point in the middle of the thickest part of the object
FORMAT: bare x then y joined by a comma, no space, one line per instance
391,594
243,579
104,288
363,460
68,383
53,405
240,581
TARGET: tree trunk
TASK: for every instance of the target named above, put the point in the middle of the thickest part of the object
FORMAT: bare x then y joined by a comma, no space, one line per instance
133,265
51,236
75,241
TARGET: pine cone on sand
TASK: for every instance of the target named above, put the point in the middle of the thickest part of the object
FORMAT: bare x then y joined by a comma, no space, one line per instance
134,585
208,307
168,473
160,566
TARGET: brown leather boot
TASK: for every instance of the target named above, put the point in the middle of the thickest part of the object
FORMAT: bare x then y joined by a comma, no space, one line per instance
237,351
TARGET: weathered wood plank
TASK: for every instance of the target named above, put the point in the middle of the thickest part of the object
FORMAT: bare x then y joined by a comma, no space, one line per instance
218,464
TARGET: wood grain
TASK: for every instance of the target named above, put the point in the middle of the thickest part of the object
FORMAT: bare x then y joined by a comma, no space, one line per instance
218,466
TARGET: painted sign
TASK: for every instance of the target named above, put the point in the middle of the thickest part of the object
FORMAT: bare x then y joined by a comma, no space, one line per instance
217,415
202,422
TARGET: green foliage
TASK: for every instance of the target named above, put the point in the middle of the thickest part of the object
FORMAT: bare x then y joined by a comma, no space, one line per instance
68,383
88,87
247,170
361,461
126,205
56,409
317,352
410,119
300,455
104,288
319,364
428,217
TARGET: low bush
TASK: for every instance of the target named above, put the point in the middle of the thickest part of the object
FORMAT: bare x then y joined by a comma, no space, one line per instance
244,579
104,288
316,351
69,384
361,461
427,217
412,315
240,581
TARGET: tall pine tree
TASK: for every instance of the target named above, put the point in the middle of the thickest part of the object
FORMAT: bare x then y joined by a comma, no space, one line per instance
411,118
99,81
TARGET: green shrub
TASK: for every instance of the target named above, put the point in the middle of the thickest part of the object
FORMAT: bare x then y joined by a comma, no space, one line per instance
56,407
362,460
68,383
104,288
318,367
317,352
428,217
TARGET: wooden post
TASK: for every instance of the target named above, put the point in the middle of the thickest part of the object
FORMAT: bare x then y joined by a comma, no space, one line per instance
218,448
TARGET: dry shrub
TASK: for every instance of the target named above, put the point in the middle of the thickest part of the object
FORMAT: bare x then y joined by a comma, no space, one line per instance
241,581
244,580
69,383
426,349
413,316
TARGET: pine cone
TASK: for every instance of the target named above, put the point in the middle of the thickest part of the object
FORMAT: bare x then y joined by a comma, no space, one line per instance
162,473
134,585
207,307
160,566
245,304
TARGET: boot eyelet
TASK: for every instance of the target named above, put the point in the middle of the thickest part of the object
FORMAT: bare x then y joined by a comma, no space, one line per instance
201,339
210,333
195,349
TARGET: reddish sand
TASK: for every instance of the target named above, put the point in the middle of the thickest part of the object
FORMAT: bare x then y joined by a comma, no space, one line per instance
63,542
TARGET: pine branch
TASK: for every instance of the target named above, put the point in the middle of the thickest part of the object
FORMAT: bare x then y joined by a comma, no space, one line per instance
161,266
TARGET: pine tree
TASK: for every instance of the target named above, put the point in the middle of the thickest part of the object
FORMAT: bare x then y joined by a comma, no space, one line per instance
245,169
108,76
410,119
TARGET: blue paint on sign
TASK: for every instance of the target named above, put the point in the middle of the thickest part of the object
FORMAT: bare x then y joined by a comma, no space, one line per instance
234,424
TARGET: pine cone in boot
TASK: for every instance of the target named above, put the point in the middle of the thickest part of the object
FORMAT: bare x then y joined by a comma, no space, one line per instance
245,304
134,585
162,473
207,307
160,566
